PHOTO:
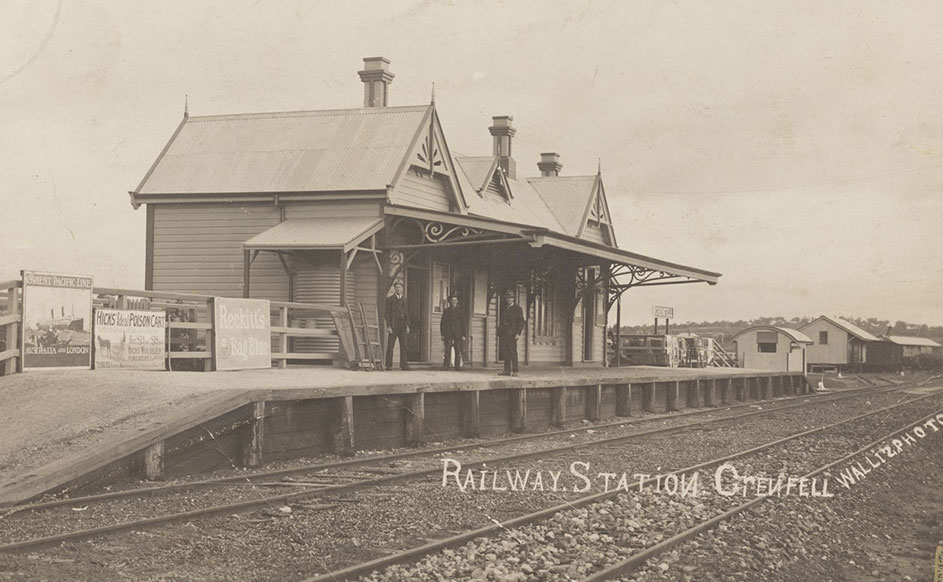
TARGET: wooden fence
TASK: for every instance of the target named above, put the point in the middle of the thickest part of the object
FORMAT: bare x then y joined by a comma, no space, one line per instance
10,319
190,328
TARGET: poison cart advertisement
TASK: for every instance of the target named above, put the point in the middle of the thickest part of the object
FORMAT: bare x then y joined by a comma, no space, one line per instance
129,339
57,321
243,333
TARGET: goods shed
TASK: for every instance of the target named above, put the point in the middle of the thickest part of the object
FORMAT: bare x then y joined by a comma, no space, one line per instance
837,344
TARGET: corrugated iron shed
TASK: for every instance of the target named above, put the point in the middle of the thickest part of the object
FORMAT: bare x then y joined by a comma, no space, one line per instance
304,151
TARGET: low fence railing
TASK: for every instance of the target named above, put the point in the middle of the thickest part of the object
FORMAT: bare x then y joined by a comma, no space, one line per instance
190,328
10,322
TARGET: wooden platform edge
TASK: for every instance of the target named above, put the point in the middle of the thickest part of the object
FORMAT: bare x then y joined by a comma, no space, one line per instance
36,482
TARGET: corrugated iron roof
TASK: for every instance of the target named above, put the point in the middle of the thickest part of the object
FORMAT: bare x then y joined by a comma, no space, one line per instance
904,340
478,169
567,197
526,207
796,335
847,326
304,151
316,233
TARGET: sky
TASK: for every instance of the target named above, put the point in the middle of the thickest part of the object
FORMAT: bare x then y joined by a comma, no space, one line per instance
796,147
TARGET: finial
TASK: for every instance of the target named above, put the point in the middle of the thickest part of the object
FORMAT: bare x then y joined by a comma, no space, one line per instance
433,93
186,105
599,167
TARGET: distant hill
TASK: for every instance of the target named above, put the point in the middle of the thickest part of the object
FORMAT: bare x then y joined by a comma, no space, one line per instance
722,331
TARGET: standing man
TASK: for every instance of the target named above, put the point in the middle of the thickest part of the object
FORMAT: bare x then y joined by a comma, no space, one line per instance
452,328
397,325
510,328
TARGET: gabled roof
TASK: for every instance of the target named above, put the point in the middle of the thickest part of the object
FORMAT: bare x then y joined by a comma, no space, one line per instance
795,335
847,326
525,207
568,198
904,340
302,151
478,169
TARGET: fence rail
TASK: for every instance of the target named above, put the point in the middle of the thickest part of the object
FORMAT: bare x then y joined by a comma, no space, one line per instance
190,328
10,324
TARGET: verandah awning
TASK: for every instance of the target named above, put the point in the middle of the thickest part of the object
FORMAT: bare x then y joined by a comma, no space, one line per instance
324,233
629,259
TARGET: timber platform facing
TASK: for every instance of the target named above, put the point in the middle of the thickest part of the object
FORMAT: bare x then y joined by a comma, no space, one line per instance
96,426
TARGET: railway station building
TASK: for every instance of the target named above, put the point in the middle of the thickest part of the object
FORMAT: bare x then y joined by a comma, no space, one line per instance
334,206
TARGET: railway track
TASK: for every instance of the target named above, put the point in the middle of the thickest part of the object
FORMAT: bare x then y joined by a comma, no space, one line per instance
528,534
713,414
359,476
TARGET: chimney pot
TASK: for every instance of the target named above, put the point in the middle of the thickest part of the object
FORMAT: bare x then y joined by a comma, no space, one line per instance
549,164
502,130
376,77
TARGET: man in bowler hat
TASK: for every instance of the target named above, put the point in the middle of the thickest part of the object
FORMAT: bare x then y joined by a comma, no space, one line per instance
452,328
397,325
510,328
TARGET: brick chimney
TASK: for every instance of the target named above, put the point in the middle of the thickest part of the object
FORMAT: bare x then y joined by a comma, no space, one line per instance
503,131
376,77
549,164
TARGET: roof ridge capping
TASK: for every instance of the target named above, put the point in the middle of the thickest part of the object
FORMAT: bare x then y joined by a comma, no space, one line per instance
310,113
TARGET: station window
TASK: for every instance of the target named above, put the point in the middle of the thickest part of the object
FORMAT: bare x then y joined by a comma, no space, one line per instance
543,310
766,342
823,337
440,286
481,293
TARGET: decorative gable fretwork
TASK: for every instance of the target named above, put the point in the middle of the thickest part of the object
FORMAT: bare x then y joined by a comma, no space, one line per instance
427,178
429,156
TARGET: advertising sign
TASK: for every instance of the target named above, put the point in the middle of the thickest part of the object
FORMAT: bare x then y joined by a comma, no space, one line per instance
130,339
243,333
663,312
57,321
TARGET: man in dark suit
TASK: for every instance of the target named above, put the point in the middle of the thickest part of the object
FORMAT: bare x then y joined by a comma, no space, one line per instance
397,325
510,328
452,328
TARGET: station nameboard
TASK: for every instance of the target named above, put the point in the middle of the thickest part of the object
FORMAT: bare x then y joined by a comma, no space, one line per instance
663,312
57,321
243,333
130,339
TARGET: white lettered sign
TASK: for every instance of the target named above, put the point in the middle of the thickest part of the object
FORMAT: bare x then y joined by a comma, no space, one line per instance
243,329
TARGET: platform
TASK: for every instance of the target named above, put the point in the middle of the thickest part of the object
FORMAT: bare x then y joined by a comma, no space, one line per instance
63,426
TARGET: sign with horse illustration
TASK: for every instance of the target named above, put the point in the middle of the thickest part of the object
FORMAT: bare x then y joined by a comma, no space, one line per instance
57,321
130,339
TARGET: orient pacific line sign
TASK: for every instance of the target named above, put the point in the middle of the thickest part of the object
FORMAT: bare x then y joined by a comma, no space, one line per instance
243,333
129,339
57,321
